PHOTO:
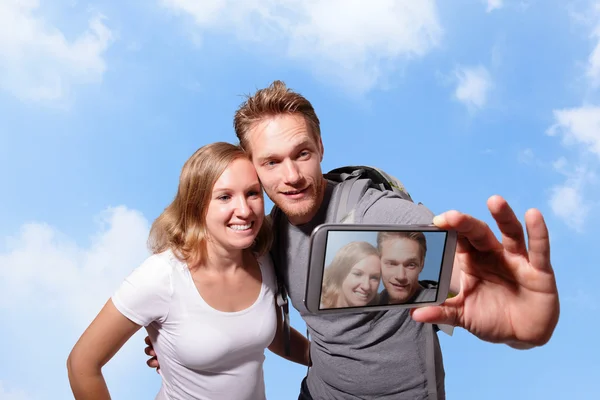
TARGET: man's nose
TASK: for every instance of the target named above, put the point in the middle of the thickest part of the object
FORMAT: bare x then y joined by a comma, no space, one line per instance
292,173
400,274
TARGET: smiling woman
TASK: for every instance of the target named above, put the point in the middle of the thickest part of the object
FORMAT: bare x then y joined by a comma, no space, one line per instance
352,278
207,294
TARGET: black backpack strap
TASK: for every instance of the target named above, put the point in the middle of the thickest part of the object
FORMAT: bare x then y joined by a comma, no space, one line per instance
282,297
353,183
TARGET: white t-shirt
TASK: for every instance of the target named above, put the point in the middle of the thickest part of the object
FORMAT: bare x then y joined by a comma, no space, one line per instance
203,353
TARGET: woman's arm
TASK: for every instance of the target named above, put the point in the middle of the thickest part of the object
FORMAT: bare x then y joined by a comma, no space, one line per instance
299,345
99,343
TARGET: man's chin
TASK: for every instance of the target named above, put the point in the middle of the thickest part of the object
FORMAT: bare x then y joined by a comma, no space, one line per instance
296,209
399,300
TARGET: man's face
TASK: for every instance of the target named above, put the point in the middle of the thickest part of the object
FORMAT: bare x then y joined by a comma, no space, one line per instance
287,159
401,264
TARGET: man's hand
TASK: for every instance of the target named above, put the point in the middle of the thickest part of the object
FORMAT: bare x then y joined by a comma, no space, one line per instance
149,350
508,293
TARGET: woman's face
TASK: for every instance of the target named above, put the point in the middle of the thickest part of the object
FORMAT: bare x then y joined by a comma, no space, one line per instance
360,285
236,209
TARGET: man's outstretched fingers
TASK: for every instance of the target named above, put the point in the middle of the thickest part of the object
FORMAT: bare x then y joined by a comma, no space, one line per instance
447,315
539,240
513,237
477,232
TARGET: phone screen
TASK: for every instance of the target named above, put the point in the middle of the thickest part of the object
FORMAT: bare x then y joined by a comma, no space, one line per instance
373,268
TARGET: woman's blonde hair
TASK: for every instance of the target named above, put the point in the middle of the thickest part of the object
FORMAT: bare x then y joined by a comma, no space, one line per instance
334,275
181,227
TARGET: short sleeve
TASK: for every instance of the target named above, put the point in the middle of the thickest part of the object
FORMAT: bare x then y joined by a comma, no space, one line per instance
145,294
269,278
388,208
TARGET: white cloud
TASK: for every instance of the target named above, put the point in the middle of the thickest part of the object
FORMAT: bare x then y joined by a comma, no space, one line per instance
51,288
593,67
493,5
43,269
526,156
560,165
578,126
12,394
345,41
38,63
567,203
473,86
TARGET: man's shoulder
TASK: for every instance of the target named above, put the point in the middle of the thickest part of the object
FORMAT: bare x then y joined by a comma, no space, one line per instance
386,206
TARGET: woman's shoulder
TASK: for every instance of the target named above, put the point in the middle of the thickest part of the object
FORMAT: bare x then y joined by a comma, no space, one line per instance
157,268
267,268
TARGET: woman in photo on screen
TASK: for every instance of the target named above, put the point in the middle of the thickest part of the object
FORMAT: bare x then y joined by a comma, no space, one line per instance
352,278
206,295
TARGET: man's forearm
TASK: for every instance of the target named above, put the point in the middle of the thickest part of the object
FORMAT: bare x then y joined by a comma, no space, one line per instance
299,347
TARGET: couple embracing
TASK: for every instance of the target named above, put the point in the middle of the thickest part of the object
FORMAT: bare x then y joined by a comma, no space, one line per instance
206,296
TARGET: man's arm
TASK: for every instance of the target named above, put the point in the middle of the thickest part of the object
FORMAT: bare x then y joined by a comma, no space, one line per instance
299,345
506,291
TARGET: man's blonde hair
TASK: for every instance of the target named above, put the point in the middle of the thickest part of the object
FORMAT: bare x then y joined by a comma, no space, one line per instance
418,237
274,100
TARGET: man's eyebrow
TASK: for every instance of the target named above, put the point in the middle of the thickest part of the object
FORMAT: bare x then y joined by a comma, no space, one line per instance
300,144
396,259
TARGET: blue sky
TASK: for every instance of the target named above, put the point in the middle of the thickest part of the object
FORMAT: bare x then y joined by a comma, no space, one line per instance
102,102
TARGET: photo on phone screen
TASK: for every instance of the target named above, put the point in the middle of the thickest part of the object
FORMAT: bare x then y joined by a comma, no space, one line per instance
375,268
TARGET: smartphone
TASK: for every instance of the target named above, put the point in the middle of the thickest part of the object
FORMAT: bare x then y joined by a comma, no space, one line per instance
358,268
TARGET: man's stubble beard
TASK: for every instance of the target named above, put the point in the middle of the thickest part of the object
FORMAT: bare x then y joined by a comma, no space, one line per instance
306,206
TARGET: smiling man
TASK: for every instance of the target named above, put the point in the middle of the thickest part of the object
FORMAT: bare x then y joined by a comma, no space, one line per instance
402,260
281,132
506,290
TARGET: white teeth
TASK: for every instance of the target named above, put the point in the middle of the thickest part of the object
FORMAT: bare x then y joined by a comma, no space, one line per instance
240,227
294,191
363,295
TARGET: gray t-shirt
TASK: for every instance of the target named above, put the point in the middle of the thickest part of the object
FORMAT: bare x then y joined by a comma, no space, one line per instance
374,355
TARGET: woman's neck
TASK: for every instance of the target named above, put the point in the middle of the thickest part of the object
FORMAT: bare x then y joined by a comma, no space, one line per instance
223,260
